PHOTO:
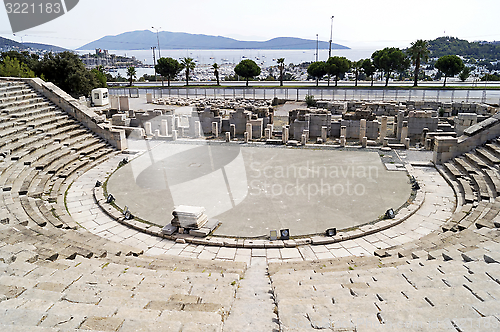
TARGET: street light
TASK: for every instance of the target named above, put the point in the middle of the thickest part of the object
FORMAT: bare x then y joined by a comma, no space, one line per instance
159,50
317,47
154,62
158,39
331,37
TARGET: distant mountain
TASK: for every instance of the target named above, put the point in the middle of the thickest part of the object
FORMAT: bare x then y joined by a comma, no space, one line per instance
144,40
8,43
5,43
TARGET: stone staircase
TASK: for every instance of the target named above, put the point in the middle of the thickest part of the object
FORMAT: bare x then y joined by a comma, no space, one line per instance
451,283
42,150
475,177
54,275
50,281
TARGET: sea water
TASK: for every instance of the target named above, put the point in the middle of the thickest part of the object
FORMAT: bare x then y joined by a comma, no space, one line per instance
264,58
206,58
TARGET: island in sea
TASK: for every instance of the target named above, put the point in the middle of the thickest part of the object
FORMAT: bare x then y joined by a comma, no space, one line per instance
144,39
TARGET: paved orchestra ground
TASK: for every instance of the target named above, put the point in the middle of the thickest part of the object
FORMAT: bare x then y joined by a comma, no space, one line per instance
253,190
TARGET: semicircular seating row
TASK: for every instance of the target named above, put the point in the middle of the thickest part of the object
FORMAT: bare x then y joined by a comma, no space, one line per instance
448,280
56,276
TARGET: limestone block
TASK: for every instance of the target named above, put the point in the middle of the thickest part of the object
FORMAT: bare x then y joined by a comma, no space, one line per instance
303,140
249,129
215,129
324,133
407,143
267,133
137,133
307,134
362,129
197,129
124,104
343,131
232,130
147,128
163,128
285,131
114,102
386,142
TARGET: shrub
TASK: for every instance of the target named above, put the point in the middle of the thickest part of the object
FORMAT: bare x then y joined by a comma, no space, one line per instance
310,101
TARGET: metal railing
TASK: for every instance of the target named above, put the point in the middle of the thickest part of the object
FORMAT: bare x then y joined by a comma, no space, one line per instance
333,94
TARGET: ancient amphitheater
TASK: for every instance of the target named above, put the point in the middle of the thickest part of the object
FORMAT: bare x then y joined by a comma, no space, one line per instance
70,260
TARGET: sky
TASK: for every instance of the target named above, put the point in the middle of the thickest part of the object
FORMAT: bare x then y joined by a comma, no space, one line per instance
358,24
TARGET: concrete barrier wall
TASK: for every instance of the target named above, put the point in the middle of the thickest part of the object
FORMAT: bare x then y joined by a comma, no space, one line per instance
80,112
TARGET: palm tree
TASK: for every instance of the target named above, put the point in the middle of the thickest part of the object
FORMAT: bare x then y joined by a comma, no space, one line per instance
368,68
281,66
131,73
419,51
357,66
215,66
187,64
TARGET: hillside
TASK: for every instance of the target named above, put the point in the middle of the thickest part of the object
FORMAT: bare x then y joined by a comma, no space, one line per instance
143,40
8,43
5,43
46,47
451,45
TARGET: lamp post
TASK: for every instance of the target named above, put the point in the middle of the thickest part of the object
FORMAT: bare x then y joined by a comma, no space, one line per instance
159,50
331,37
158,40
317,47
154,62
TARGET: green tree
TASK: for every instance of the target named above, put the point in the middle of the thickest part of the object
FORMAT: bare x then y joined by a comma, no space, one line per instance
388,60
369,69
449,65
68,72
188,65
317,70
419,51
464,74
490,77
337,66
169,68
247,68
13,68
131,74
31,60
100,76
357,66
215,67
281,66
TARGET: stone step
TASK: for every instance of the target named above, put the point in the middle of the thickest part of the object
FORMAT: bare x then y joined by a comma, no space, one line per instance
480,181
475,160
465,165
483,152
6,104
